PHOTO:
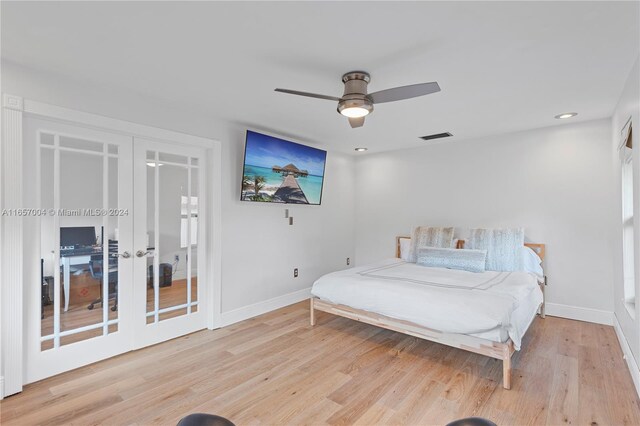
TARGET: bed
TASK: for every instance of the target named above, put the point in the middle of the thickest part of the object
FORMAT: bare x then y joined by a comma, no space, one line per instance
486,313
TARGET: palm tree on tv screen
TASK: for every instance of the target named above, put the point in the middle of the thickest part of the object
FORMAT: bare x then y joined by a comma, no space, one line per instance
258,184
246,182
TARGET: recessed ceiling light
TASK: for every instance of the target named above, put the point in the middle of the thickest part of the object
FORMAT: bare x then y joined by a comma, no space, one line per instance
566,115
361,149
152,164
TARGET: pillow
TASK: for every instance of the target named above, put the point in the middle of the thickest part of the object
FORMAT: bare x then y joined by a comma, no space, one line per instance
531,262
405,247
504,247
427,236
466,260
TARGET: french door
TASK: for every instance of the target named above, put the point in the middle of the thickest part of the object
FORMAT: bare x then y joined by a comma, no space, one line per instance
167,238
113,234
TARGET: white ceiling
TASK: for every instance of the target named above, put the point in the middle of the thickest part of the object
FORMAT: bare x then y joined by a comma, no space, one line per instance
502,66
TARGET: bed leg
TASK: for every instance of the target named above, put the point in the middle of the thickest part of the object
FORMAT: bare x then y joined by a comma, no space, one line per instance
542,287
506,366
313,313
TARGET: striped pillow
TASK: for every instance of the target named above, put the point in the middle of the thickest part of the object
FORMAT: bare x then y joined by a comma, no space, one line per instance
466,260
503,246
429,236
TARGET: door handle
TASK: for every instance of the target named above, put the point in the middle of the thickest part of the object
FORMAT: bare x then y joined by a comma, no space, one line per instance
124,255
141,253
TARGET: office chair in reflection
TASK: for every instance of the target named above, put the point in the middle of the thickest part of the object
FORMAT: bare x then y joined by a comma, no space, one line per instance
96,268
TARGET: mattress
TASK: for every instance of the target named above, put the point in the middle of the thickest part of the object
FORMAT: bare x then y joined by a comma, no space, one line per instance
522,316
490,305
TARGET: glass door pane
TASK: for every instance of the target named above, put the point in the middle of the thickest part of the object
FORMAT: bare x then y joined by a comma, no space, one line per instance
172,230
78,243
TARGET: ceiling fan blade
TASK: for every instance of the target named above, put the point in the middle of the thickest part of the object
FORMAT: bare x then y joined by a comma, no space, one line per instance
356,122
309,95
404,92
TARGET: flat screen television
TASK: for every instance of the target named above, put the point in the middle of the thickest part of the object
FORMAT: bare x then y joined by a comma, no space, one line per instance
280,171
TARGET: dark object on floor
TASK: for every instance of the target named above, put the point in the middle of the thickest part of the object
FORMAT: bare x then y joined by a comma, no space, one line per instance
165,275
200,419
472,421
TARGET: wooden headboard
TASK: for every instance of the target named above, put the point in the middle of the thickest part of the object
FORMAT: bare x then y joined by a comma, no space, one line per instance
538,248
398,238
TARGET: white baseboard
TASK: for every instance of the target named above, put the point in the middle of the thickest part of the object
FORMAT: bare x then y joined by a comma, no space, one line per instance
577,313
1,387
628,355
260,308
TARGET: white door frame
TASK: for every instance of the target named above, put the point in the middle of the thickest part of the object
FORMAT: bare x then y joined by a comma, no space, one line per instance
12,326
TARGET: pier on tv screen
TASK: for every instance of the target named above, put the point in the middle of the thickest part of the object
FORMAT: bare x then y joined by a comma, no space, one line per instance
279,171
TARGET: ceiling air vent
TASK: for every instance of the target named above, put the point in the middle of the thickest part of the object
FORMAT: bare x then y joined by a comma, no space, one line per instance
436,136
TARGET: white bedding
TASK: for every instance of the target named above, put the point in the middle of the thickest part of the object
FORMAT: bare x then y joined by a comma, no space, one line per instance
491,305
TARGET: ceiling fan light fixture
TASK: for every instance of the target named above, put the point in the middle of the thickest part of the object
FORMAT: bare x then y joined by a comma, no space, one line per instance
355,107
354,112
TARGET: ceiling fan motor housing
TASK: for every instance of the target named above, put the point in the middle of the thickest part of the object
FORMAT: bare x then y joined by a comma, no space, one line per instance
355,91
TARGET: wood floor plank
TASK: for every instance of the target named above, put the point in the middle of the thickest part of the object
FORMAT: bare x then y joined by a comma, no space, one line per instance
564,406
416,405
316,414
375,415
364,398
277,369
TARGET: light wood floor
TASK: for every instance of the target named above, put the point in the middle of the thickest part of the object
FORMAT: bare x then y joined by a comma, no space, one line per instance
276,369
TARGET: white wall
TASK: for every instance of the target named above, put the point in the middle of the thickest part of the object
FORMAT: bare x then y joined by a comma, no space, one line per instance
259,249
628,106
556,182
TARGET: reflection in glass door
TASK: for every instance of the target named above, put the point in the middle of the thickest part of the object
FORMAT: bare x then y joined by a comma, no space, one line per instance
83,203
79,183
167,236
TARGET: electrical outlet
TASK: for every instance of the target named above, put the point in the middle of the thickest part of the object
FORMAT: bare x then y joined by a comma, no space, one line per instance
348,261
295,273
176,258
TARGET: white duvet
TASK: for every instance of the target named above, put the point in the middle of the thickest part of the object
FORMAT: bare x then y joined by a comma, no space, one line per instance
447,300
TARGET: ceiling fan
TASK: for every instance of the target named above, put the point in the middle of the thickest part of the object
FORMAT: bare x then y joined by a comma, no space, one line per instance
355,103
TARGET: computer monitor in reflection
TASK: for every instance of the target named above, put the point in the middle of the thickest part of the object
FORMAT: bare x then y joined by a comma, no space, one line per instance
77,236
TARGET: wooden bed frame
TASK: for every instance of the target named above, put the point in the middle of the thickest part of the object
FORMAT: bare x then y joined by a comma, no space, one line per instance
501,351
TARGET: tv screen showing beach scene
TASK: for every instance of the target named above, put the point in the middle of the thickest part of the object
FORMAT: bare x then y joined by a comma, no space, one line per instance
280,171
